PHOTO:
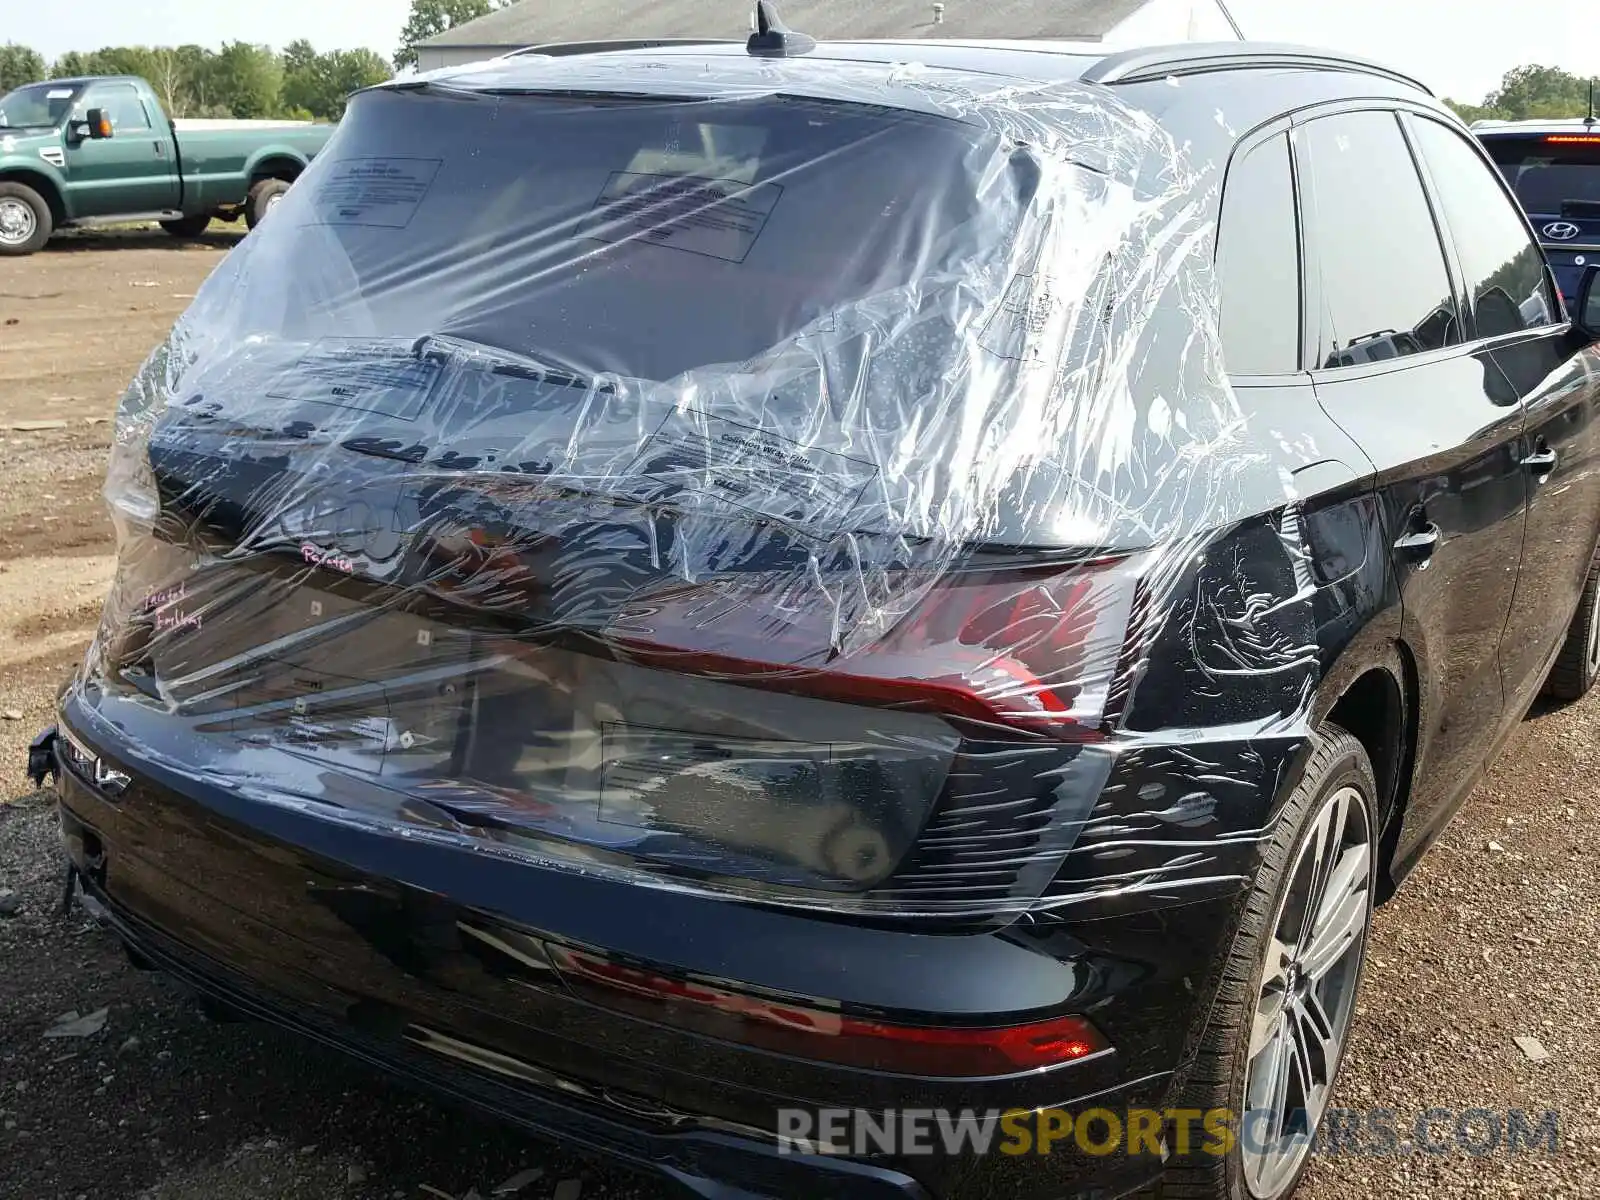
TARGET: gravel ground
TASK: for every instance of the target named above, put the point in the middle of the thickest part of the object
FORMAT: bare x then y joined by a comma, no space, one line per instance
1494,937
163,1104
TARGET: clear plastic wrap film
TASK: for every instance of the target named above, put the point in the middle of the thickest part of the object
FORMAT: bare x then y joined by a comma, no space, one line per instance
720,480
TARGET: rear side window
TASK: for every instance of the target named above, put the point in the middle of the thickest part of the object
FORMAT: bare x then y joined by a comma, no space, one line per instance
1503,266
1385,292
1553,175
1258,262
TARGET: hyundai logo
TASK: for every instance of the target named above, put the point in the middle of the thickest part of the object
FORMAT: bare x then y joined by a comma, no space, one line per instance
1561,231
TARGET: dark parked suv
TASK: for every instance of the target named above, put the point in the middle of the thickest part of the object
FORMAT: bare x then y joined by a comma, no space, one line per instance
673,589
1554,168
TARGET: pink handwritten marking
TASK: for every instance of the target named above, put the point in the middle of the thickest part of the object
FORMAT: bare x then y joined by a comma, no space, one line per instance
171,622
160,599
326,558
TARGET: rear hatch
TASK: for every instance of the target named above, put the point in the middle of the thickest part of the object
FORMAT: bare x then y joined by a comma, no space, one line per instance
581,474
1556,176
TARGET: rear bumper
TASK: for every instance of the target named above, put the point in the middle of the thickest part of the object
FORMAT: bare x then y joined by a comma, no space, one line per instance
356,940
720,1166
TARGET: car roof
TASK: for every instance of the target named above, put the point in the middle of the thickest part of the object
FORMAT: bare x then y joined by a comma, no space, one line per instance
1557,125
1207,94
80,80
1041,61
1009,62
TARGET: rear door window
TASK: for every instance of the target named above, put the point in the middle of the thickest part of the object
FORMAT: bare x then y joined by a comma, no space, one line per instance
1504,268
1385,291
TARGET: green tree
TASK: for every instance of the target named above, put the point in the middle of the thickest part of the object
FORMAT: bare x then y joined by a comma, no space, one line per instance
191,66
19,65
1535,91
429,17
350,71
1468,112
321,83
73,62
246,79
298,56
170,73
242,80
122,60
302,75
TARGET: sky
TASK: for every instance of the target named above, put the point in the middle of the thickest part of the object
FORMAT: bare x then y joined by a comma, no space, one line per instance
1454,51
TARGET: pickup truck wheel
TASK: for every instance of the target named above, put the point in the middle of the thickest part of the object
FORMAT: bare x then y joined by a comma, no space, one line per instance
187,227
262,198
25,221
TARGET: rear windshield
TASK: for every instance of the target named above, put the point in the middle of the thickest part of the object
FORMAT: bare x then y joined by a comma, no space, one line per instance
1546,174
637,236
39,104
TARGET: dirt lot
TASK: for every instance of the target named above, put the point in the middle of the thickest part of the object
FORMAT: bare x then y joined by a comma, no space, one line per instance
1494,937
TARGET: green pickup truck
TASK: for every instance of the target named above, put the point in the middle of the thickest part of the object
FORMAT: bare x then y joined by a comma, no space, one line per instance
101,149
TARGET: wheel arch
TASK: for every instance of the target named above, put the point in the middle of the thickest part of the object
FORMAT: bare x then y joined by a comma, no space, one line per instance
274,163
1376,703
41,182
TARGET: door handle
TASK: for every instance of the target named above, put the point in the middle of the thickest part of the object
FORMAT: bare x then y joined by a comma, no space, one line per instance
1542,461
1418,545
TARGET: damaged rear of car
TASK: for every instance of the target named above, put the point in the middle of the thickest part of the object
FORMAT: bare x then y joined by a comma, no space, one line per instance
652,595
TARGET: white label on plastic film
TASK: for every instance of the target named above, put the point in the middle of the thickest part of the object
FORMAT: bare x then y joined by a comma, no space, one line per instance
754,469
372,375
373,191
719,218
1022,316
58,94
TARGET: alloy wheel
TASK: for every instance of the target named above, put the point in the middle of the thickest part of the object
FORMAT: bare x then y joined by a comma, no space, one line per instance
17,222
1307,994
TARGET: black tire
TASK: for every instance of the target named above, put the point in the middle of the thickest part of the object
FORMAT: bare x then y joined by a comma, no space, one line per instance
1578,664
261,199
32,227
187,227
1219,1075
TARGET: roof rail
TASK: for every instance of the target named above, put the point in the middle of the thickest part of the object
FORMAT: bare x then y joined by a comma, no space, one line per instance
563,49
1193,58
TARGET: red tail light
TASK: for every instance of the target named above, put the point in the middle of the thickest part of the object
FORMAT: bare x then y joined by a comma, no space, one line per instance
1030,649
823,1035
1573,139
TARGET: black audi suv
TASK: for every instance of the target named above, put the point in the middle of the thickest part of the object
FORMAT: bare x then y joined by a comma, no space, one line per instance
671,589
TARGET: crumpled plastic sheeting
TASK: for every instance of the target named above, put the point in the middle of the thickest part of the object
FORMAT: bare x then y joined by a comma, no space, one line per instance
795,519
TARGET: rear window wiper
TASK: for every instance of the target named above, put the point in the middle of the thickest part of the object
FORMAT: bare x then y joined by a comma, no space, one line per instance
586,96
516,364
